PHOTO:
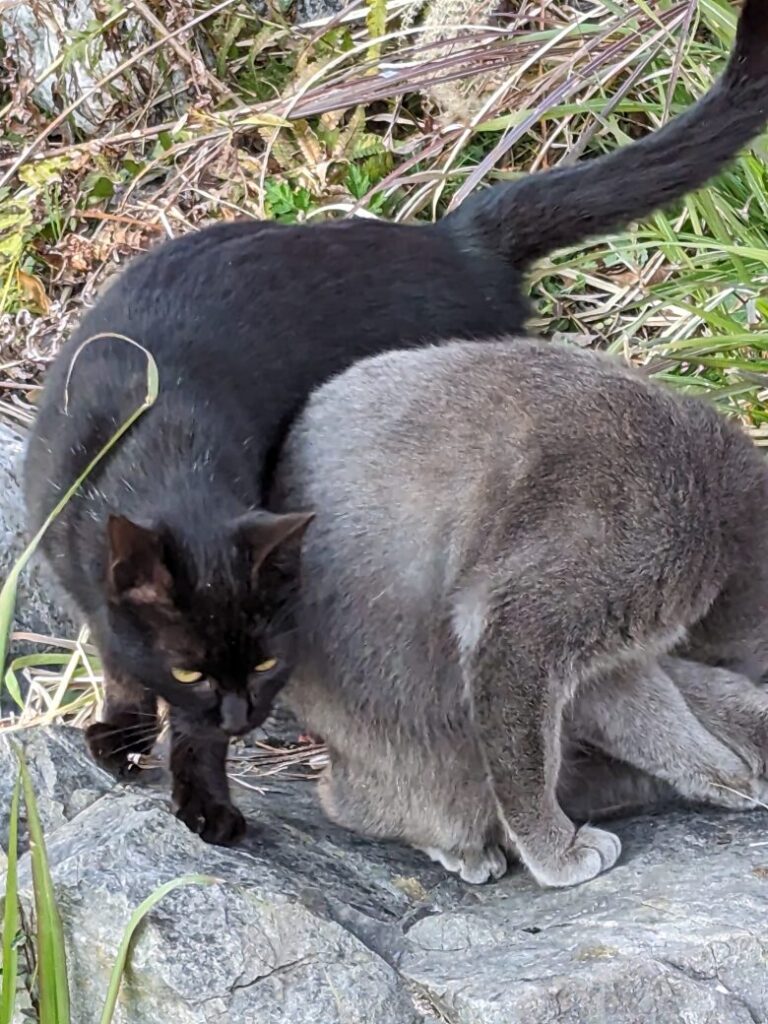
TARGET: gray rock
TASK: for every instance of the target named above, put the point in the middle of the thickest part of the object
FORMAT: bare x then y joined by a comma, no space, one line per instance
313,10
36,35
35,38
245,949
673,933
65,778
260,945
40,605
312,924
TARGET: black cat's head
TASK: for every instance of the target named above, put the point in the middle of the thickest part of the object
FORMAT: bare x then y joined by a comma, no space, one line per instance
203,617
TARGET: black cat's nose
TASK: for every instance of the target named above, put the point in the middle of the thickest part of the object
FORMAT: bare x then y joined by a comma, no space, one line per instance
234,714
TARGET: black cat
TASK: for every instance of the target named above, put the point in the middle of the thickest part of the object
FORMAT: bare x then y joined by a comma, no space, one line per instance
166,551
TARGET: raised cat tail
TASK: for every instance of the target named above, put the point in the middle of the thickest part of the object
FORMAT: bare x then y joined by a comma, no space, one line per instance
540,213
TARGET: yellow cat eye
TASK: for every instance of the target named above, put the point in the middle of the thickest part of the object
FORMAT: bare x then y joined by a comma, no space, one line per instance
183,675
265,666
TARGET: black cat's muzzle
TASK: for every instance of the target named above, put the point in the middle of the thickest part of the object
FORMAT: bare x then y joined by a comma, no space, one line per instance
235,714
240,713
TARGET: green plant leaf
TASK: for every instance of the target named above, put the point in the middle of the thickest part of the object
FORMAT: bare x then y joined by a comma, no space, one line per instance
12,686
137,917
376,23
11,915
53,988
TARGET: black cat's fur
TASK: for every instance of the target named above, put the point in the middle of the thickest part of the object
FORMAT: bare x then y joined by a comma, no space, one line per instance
164,550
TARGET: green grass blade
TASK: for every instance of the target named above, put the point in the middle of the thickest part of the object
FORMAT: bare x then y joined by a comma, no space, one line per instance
39,660
11,915
125,945
29,661
12,686
53,988
7,608
10,587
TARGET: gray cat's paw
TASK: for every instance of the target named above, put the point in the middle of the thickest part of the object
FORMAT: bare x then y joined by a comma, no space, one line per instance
592,851
473,866
480,866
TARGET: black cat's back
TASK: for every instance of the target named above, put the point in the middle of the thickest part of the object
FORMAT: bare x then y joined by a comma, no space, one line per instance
258,290
250,316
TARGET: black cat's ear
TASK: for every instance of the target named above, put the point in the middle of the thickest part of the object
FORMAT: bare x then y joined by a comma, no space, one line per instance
136,571
265,531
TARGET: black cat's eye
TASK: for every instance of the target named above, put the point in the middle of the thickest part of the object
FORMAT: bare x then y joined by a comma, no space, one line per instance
183,675
266,666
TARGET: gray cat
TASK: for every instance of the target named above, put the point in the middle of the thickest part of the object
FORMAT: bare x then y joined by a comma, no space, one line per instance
509,540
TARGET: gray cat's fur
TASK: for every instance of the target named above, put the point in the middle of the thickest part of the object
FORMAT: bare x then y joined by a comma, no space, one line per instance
509,539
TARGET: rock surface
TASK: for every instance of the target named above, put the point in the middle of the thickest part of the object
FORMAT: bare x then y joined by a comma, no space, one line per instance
39,605
311,924
314,10
35,34
65,778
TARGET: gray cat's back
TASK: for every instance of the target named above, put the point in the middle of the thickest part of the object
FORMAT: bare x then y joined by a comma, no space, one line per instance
417,441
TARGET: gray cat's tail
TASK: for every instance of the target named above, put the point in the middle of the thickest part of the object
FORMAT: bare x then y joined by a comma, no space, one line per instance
540,213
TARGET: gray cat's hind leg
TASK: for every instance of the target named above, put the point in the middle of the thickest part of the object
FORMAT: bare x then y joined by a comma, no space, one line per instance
729,705
636,713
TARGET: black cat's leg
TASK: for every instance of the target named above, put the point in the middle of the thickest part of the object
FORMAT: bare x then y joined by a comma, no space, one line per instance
200,786
129,724
637,714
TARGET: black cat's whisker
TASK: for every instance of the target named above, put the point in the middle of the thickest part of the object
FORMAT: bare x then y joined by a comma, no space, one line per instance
183,735
134,735
129,747
136,730
144,714
282,619
127,730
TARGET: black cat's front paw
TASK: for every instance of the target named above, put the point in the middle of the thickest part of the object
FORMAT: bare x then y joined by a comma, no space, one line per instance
111,743
216,823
